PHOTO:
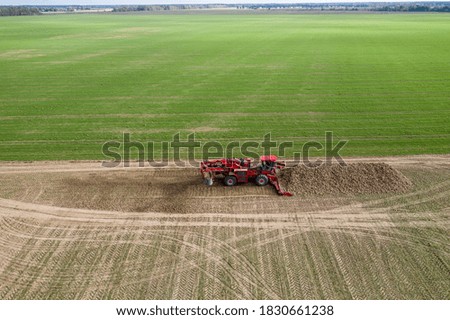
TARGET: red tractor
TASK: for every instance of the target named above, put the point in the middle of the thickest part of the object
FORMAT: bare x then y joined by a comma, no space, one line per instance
234,171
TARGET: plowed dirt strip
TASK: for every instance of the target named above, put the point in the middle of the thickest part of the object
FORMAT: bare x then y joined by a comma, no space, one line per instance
76,231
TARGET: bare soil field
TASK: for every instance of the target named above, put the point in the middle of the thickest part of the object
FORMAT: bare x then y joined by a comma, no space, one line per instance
77,230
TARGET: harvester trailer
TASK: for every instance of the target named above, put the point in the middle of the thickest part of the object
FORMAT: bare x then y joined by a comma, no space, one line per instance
242,170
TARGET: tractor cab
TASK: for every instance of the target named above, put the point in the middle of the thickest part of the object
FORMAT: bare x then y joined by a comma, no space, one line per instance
268,162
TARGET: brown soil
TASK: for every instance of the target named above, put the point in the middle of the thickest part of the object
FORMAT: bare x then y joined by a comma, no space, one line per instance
355,178
77,230
182,190
138,192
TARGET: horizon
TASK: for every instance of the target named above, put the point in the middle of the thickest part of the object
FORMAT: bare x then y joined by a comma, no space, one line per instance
178,2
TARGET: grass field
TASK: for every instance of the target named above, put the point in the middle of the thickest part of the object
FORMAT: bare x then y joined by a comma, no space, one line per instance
69,83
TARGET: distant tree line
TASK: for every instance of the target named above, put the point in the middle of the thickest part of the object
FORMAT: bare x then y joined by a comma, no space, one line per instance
371,6
414,8
144,8
168,7
19,11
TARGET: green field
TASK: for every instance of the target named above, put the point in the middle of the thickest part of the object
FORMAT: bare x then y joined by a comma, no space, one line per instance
69,83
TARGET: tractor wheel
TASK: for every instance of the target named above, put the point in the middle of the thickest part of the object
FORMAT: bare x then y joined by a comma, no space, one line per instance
208,181
261,180
230,181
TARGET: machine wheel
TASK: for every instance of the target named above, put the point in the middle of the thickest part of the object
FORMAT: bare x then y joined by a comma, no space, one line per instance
261,180
230,181
208,181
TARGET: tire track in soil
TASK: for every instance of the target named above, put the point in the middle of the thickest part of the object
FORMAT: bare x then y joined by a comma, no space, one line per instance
242,262
433,190
412,243
278,235
262,233
408,275
287,220
377,270
162,219
224,248
371,204
211,256
190,262
325,286
20,231
185,278
428,275
40,260
292,288
380,246
365,290
399,271
343,270
109,245
356,219
402,245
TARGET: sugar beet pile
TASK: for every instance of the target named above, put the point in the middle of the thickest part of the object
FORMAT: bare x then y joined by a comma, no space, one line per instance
353,178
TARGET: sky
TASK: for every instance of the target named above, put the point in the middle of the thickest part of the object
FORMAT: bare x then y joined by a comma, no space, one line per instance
117,2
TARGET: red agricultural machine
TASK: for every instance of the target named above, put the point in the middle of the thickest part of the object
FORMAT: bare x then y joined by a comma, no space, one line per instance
234,171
